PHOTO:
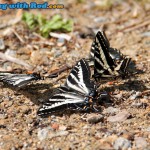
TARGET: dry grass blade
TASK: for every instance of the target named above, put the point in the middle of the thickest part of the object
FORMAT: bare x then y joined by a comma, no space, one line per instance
15,60
18,36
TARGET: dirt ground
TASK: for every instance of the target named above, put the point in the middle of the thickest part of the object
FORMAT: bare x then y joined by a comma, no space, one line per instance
122,124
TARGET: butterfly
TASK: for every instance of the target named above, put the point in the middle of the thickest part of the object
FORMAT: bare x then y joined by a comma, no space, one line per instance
108,62
18,80
78,93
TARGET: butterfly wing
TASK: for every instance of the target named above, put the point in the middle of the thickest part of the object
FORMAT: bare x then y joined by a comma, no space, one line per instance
18,80
61,101
108,62
79,78
122,67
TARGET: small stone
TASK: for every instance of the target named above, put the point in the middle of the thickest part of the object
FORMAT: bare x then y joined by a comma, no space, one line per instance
86,127
129,136
118,96
100,19
111,110
24,109
134,96
2,45
58,133
57,53
122,116
60,41
42,134
122,143
62,127
55,126
140,142
148,129
95,118
3,116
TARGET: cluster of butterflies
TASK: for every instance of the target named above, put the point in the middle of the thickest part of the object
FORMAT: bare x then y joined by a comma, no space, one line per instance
80,92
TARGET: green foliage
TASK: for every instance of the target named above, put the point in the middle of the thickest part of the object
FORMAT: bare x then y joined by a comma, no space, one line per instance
44,26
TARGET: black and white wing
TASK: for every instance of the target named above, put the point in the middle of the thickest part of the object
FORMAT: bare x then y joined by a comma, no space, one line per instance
66,99
103,63
115,54
123,65
108,62
75,94
79,78
18,80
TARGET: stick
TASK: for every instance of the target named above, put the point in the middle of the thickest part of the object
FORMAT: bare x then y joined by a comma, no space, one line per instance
18,36
58,71
135,26
15,60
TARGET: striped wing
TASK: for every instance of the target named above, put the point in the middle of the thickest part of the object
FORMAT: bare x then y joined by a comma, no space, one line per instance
79,78
108,62
18,80
122,67
61,101
102,58
115,54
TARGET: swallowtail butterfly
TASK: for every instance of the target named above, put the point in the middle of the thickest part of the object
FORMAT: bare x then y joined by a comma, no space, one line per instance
78,93
108,62
18,80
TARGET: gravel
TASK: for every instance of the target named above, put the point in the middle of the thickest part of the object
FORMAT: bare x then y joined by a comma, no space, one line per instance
120,117
122,143
140,142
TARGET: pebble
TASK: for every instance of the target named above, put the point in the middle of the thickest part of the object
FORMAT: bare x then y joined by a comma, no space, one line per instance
100,19
148,129
24,109
3,116
118,96
57,53
134,96
121,143
140,142
58,133
42,134
111,110
95,118
121,116
62,127
60,41
2,45
55,126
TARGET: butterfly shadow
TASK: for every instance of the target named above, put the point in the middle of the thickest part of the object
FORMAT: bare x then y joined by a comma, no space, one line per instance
37,93
129,85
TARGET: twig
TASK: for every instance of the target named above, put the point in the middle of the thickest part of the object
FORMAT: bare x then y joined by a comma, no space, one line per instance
58,71
62,35
15,60
39,36
18,36
62,77
135,26
146,92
